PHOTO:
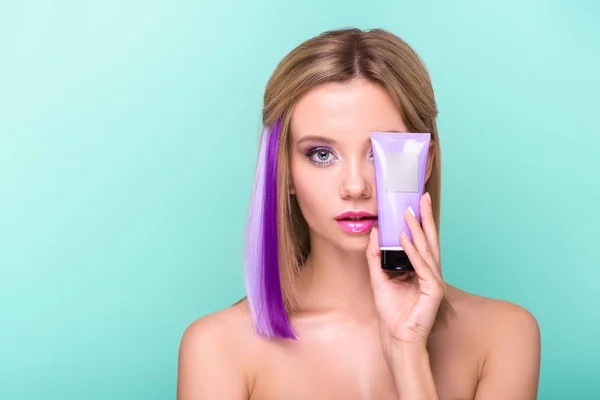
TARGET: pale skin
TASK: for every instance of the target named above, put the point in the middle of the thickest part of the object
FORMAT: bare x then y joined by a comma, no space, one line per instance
362,334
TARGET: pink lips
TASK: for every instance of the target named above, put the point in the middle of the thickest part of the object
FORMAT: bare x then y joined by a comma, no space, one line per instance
356,221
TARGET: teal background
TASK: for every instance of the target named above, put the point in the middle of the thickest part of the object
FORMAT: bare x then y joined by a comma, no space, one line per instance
128,133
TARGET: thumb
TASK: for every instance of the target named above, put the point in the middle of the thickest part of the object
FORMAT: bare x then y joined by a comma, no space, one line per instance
378,275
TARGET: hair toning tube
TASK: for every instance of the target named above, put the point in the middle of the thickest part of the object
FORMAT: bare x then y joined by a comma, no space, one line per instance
400,161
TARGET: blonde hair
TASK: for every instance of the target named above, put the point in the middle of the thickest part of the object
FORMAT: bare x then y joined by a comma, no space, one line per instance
334,56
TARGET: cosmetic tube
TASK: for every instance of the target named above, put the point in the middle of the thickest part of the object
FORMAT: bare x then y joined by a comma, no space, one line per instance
400,160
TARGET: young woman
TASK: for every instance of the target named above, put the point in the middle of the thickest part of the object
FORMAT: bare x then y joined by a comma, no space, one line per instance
321,319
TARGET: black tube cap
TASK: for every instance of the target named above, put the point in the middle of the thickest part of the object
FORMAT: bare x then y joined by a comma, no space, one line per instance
395,260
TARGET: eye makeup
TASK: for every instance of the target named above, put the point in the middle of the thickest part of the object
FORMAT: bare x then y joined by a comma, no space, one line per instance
321,156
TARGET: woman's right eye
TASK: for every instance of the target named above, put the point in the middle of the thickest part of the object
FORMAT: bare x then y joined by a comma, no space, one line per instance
321,156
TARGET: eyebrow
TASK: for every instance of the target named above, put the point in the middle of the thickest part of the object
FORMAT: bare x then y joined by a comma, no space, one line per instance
317,138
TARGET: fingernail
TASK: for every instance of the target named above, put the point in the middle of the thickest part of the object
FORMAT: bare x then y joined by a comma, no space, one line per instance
428,197
411,211
404,235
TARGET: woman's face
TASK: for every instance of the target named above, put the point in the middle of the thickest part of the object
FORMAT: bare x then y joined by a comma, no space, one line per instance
331,161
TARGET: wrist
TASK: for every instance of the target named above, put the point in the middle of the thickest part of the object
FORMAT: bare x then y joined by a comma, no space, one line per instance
410,366
397,346
398,351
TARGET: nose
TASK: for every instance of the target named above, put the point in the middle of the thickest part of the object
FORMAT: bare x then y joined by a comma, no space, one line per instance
357,180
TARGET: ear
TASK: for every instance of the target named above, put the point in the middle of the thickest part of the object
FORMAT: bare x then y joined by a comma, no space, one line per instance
430,157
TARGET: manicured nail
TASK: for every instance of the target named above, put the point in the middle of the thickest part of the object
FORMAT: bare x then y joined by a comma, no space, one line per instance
404,235
428,197
411,211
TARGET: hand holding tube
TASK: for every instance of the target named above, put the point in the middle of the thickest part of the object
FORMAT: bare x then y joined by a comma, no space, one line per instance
407,304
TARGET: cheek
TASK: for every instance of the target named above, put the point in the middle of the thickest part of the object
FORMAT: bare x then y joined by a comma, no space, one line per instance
314,189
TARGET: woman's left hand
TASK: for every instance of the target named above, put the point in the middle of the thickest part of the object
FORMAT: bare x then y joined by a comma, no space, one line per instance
407,308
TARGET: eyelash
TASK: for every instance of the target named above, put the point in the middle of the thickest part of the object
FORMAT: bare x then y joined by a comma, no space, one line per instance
315,150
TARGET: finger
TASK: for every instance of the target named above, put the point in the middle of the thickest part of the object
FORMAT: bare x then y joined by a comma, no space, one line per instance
423,270
419,239
430,231
378,275
428,224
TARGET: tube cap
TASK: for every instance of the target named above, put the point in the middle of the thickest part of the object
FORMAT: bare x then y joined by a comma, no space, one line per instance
395,260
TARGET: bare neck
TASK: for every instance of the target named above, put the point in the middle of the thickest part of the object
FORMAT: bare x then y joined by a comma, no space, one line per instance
336,282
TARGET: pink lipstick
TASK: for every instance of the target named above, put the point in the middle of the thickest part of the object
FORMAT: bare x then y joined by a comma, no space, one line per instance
356,221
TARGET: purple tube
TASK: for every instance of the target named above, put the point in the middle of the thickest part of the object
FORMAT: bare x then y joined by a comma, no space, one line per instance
400,160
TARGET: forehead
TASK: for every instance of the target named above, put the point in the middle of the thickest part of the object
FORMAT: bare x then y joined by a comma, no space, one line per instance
343,109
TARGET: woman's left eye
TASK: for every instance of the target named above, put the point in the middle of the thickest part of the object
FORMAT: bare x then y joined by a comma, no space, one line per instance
321,156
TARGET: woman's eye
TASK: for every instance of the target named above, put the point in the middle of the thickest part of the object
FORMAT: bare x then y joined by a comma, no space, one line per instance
321,156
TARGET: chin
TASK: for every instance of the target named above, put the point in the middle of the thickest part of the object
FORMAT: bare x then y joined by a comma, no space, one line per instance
354,243
342,241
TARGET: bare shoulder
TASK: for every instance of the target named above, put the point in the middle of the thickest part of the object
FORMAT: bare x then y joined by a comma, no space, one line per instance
492,317
510,338
224,326
214,355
